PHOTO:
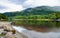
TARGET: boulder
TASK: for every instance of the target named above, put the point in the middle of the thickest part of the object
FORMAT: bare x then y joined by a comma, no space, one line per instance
9,35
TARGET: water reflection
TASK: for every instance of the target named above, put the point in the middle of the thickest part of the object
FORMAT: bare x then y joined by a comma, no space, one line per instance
55,33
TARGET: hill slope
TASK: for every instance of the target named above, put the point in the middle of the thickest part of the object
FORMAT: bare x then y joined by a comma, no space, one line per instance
34,11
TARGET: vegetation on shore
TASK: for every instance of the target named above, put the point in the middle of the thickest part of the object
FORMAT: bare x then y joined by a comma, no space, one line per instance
3,17
50,20
43,16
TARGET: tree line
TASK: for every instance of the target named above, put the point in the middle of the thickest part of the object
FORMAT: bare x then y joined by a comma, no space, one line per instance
35,20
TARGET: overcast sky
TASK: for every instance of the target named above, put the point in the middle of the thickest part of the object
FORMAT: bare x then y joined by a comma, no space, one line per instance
18,5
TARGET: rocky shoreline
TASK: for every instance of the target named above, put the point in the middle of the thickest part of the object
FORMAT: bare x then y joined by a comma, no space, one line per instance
7,31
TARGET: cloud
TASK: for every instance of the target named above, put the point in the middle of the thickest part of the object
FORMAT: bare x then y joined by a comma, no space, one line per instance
11,6
34,3
2,7
18,5
17,1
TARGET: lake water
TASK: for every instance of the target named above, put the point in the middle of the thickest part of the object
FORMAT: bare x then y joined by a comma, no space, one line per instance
54,33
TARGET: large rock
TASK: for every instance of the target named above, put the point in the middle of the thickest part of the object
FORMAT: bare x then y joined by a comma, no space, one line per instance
1,30
9,35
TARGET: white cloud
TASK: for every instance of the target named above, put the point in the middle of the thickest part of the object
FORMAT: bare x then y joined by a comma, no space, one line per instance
33,3
10,6
28,3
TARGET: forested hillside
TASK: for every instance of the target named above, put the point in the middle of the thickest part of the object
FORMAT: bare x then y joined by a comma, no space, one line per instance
32,11
3,17
43,16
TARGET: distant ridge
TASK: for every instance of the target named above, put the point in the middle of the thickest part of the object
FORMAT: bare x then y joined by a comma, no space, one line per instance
35,11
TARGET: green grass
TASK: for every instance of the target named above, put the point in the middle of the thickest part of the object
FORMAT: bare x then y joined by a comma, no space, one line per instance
2,34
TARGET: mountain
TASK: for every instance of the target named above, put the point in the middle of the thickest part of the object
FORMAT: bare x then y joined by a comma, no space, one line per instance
34,11
56,8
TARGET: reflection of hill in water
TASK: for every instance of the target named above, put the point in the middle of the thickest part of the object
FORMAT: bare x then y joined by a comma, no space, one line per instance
55,33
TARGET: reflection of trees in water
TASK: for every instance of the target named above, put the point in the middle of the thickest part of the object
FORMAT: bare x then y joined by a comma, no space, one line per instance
58,23
38,23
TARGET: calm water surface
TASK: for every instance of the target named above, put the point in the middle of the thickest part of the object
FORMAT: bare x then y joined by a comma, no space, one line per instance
54,33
